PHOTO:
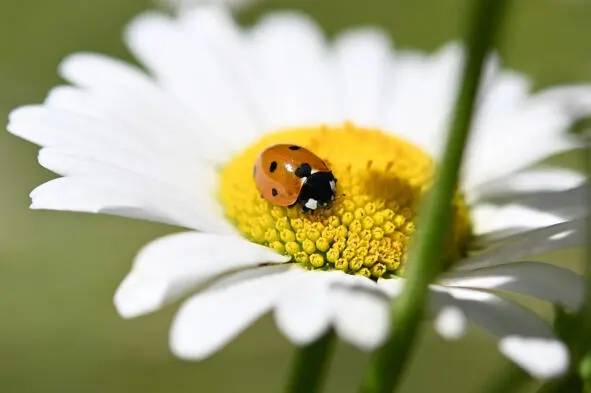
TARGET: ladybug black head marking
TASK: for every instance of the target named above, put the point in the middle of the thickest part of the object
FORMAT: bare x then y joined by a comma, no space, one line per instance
304,170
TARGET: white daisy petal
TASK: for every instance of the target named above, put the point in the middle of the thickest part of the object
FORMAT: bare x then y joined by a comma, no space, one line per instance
98,188
187,67
534,180
541,280
516,247
535,210
46,127
391,287
143,119
488,218
571,204
364,52
576,99
523,336
169,267
212,318
105,140
292,61
499,317
94,196
216,26
542,358
189,183
115,173
362,316
248,274
422,85
451,323
501,98
504,92
303,311
544,118
97,72
139,99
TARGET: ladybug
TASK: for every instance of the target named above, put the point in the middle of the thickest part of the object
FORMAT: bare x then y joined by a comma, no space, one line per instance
289,174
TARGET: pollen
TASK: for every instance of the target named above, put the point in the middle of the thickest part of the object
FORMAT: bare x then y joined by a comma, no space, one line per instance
367,229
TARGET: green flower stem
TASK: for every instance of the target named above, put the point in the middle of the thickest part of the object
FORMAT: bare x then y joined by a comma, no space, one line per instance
388,363
310,364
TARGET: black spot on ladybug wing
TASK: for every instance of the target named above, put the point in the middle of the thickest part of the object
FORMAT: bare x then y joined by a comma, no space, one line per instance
294,147
274,192
303,170
273,166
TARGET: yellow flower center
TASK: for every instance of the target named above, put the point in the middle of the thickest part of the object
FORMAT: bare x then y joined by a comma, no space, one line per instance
367,229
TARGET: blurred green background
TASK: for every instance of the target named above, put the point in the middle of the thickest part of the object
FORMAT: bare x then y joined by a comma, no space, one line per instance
58,329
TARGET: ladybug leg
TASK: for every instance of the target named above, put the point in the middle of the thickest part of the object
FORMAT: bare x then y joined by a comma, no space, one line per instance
305,208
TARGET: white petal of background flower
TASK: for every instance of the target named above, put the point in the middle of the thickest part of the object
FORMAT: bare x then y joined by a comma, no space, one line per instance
541,280
451,323
173,265
540,357
209,320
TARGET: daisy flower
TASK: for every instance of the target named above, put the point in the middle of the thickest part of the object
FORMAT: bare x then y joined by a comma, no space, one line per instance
176,143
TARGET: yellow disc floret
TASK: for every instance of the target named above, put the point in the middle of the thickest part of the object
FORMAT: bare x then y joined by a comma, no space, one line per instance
367,229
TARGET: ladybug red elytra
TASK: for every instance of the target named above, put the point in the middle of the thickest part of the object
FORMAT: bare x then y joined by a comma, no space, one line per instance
288,174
